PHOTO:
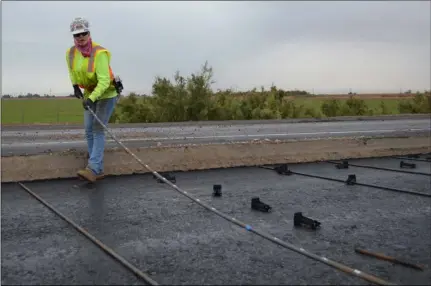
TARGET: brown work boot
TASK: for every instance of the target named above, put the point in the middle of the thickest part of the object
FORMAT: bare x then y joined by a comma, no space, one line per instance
88,175
100,176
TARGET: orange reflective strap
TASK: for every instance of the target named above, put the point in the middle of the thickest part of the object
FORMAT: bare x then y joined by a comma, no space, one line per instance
91,60
72,57
111,74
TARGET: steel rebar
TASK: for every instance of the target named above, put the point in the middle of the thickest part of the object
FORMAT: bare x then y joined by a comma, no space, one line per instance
382,168
356,183
412,159
336,265
100,244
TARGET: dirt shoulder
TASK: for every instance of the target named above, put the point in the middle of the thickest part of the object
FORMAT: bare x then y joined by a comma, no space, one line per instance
209,156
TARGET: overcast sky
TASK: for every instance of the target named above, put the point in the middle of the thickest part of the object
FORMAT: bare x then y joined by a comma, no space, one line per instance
325,46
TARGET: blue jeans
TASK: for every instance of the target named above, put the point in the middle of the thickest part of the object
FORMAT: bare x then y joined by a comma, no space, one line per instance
95,134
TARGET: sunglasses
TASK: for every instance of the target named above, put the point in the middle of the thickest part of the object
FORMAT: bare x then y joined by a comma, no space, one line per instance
80,34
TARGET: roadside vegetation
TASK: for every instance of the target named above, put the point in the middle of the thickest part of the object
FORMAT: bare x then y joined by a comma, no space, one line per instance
191,98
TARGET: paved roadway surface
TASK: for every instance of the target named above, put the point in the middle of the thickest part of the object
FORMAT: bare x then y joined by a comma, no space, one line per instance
178,242
24,127
29,141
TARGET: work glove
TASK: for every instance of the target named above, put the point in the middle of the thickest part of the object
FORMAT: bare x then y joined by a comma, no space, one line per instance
89,103
77,91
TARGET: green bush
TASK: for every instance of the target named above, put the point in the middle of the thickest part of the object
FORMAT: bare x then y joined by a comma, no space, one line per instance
421,103
331,107
356,107
192,98
384,109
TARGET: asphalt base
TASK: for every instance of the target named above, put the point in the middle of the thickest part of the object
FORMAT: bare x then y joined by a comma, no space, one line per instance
178,242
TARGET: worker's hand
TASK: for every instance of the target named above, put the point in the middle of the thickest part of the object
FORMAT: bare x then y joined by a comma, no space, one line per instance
77,91
88,103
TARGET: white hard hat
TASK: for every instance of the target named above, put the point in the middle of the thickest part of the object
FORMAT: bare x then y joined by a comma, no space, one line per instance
79,25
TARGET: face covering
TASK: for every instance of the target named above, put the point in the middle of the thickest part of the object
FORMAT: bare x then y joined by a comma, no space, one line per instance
85,49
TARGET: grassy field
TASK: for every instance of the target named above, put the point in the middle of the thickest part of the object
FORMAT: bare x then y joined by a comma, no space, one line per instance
50,110
69,110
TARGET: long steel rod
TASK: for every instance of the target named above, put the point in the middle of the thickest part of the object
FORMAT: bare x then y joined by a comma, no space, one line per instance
356,183
383,169
100,244
336,265
389,258
412,159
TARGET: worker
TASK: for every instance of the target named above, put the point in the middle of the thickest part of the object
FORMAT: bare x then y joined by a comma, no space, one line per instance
89,69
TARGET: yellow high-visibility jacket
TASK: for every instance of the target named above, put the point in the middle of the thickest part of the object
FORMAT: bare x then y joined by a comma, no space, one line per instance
93,74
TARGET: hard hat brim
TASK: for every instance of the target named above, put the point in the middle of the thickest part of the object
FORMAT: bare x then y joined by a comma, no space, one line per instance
79,31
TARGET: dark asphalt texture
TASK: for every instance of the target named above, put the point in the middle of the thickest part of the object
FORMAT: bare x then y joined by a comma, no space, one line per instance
178,242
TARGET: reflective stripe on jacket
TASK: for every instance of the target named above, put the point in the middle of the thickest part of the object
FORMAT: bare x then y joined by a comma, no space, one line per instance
93,73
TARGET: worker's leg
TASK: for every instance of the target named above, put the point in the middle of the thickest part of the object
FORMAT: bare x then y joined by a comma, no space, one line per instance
104,110
88,125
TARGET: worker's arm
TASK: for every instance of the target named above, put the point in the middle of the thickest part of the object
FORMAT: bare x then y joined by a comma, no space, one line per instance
102,73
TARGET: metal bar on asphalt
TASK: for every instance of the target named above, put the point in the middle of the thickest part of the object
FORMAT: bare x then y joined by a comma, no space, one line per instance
383,169
300,250
356,183
100,244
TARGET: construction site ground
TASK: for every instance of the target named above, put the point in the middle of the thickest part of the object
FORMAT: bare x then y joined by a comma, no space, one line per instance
176,241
